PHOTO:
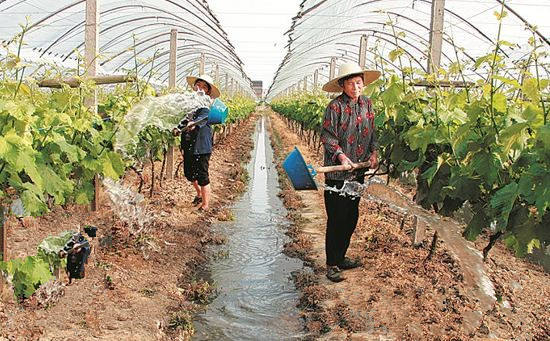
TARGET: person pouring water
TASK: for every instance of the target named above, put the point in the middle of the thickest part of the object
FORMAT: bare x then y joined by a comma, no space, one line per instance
196,142
348,136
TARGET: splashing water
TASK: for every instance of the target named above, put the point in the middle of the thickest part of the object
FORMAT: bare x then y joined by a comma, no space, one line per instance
354,189
128,204
163,112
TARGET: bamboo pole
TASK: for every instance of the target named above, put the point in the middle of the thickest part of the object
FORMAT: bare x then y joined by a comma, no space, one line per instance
74,82
443,84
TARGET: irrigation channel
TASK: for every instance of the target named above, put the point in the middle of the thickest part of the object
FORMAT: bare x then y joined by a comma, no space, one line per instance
256,298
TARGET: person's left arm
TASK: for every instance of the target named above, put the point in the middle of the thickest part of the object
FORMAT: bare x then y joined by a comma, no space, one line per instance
202,117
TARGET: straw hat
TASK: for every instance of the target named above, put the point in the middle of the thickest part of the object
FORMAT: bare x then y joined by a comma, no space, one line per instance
214,92
348,69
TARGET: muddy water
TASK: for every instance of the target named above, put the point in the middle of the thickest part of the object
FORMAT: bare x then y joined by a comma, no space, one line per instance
256,296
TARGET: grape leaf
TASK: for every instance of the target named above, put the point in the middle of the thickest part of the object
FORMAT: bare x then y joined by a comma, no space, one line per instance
502,202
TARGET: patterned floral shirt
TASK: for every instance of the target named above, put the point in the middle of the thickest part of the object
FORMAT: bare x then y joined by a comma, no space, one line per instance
348,127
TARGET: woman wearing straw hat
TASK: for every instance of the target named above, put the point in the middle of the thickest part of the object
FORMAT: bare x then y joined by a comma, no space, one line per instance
196,142
348,136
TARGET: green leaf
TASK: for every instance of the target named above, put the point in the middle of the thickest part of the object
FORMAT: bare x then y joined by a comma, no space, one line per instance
394,54
503,202
510,81
113,165
534,187
392,95
531,90
478,222
487,165
499,102
85,194
543,136
56,186
429,173
419,137
533,115
33,199
514,136
73,152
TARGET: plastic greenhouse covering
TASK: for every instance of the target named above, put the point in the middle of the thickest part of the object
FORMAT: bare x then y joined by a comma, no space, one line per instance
55,36
323,29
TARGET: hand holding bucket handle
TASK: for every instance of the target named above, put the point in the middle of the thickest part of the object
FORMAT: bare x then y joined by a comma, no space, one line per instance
341,168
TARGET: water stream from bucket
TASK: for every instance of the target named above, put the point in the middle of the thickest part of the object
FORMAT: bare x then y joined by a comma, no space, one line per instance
450,231
256,296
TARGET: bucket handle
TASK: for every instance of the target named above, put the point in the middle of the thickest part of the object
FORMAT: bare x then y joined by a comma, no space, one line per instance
311,170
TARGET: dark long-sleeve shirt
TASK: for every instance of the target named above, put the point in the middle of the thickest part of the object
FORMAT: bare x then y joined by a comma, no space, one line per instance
348,128
200,138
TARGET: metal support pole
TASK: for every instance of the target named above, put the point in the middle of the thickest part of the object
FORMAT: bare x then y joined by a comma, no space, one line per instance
436,35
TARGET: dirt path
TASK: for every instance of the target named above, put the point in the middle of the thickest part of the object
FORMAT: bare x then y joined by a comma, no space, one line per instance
140,288
398,294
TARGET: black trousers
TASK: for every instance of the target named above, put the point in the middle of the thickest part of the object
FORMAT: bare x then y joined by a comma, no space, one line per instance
342,216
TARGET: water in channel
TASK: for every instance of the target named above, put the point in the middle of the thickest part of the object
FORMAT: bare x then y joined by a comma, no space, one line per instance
256,296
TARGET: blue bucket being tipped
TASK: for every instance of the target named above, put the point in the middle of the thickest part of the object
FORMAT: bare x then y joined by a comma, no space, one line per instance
298,172
218,112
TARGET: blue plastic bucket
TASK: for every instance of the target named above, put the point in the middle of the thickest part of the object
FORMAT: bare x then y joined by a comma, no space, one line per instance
298,172
218,112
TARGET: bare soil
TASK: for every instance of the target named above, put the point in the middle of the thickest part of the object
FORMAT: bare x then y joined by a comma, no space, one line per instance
399,294
136,287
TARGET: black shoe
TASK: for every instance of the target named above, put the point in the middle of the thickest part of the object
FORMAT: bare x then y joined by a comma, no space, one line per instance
334,274
197,200
349,264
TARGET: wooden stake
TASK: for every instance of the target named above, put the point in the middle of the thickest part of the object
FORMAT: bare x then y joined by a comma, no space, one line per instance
332,72
436,35
91,38
363,51
90,45
316,79
217,75
202,64
172,84
3,237
225,88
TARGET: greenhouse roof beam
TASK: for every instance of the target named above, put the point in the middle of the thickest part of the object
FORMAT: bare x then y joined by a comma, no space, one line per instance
146,18
190,50
155,44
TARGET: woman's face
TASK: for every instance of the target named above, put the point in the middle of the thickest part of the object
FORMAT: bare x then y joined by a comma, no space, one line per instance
202,85
353,87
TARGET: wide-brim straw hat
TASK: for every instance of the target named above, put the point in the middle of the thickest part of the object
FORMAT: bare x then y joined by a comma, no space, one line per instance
214,91
349,69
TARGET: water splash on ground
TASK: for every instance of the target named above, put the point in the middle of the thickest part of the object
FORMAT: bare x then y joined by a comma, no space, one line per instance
128,205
